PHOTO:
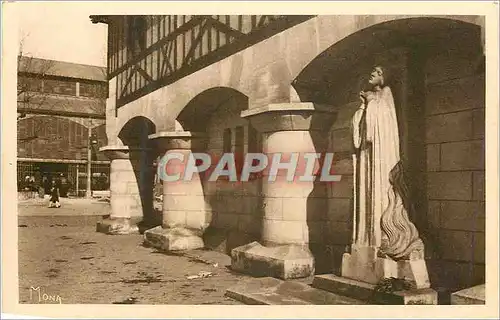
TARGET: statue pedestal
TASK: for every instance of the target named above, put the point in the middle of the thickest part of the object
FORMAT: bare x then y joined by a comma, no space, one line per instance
367,292
363,269
363,264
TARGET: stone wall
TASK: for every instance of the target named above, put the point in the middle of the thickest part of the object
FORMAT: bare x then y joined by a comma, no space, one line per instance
455,102
340,194
235,205
125,195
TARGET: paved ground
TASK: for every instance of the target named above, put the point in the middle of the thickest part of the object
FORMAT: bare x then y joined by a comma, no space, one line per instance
70,207
64,256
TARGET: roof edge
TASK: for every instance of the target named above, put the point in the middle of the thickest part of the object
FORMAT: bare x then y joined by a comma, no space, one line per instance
99,19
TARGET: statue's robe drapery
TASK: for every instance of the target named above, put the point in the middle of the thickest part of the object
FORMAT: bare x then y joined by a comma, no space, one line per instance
381,219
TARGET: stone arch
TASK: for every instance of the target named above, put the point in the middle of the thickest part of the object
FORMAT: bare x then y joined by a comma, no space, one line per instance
263,72
194,116
164,105
436,81
135,132
299,48
216,114
364,46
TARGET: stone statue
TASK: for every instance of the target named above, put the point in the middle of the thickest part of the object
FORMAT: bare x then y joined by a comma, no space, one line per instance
382,232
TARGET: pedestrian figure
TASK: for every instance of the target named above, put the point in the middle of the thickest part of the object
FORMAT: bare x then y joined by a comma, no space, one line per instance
54,195
26,186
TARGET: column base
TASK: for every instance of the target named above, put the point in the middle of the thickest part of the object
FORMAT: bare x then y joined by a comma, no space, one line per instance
367,292
172,239
284,261
117,226
363,264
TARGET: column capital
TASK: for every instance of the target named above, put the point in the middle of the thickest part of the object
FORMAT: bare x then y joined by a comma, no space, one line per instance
122,152
294,116
183,140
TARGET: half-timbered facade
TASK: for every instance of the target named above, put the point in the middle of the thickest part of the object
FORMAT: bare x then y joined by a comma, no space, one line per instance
148,52
269,84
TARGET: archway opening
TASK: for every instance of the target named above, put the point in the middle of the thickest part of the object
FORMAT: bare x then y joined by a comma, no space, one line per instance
195,115
346,64
232,207
134,134
437,78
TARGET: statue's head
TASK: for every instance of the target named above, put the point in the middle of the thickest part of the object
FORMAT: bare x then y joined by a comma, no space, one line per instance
378,76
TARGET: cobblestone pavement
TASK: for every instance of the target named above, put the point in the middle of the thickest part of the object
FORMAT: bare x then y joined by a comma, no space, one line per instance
66,258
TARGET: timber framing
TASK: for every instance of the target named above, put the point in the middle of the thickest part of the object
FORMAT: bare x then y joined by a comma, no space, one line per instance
177,46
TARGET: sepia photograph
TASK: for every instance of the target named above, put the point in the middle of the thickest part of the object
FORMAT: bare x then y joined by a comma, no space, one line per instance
251,159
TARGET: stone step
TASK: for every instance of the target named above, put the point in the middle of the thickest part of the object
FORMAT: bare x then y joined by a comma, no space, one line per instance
272,291
474,295
367,292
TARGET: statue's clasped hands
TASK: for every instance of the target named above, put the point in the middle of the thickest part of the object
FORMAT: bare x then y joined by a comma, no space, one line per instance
366,96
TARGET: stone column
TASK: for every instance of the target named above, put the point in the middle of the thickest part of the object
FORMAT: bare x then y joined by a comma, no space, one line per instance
287,128
130,202
185,213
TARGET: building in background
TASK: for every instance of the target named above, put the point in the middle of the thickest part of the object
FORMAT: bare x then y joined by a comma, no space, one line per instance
253,84
60,125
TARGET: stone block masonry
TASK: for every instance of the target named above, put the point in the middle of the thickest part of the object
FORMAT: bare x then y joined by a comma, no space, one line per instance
283,249
185,214
455,102
127,207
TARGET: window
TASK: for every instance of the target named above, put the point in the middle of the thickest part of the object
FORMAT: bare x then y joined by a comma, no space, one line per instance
93,90
59,87
136,34
29,84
